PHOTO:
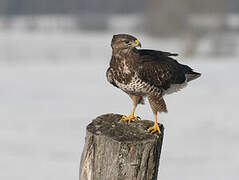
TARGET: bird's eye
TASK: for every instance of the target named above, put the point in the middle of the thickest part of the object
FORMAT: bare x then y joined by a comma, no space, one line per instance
127,42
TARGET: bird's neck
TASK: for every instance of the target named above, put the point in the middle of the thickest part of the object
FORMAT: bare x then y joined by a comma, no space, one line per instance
119,55
123,53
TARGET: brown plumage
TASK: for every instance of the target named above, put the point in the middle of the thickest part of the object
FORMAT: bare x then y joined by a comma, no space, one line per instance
146,73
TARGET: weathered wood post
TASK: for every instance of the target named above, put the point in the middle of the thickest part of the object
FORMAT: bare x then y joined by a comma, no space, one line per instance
119,151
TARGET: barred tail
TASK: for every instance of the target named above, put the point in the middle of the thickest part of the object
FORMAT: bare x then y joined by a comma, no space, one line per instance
192,75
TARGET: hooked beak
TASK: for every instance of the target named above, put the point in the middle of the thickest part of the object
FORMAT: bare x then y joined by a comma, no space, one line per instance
137,43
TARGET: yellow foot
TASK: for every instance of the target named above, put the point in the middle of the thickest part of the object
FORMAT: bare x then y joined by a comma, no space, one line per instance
154,128
131,117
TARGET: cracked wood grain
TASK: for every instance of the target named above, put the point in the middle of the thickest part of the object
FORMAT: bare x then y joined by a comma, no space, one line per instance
119,151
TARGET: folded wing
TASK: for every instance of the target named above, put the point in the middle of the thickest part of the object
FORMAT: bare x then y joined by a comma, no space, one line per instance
160,70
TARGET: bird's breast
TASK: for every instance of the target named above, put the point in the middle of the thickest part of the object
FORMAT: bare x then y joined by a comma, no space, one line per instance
126,78
136,86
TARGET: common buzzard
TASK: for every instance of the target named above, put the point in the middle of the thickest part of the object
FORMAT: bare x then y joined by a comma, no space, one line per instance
146,73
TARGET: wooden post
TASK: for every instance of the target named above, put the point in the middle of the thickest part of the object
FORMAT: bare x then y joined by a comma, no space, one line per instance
120,151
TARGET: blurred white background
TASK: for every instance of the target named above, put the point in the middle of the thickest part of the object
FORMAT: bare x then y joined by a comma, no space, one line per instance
53,58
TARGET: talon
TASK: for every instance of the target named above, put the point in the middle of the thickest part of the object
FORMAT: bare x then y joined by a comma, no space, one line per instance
123,118
154,128
129,119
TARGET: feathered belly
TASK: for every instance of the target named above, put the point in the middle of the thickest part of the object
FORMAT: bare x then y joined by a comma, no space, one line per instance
132,89
137,87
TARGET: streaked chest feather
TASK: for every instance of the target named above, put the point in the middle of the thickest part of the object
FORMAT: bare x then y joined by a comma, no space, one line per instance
137,87
122,73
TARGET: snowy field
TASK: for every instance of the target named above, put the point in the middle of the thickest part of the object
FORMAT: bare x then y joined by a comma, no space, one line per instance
52,86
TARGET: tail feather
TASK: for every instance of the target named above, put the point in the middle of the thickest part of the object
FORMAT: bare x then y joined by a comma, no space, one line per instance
192,75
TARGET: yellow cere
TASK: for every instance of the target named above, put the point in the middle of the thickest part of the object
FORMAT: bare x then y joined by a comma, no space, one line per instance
136,41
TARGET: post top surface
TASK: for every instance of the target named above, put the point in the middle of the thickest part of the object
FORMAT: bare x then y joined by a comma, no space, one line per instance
109,125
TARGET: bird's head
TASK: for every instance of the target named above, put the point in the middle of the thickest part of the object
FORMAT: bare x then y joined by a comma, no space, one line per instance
124,42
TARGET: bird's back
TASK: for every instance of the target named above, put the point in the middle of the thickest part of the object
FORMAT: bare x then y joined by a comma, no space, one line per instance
160,69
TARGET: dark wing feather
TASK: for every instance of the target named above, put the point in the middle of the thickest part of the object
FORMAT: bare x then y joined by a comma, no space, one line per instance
109,75
162,71
152,53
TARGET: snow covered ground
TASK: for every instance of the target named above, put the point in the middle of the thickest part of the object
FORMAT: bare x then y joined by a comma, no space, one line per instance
46,104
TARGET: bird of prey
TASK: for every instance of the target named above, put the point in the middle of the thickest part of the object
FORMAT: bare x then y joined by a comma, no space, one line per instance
146,73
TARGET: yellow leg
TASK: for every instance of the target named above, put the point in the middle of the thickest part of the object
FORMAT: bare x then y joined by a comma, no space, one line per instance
130,117
155,127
